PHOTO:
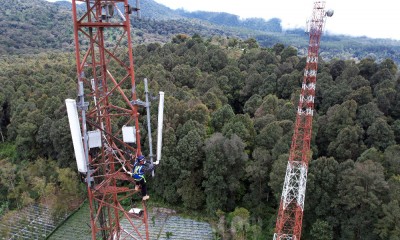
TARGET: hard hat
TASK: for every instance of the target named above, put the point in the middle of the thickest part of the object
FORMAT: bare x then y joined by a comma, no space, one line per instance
140,158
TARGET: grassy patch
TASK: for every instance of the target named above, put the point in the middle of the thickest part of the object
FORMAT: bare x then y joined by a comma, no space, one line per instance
7,150
76,227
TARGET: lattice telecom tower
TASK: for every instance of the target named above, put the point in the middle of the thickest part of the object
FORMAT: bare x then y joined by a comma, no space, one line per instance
290,215
108,113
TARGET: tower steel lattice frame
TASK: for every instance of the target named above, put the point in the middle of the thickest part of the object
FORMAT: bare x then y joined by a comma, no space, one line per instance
290,214
106,102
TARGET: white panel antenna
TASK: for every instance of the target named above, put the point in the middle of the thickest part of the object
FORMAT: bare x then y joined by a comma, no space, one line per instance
160,126
76,135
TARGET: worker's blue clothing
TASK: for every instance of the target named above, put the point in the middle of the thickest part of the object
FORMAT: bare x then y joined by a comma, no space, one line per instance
139,171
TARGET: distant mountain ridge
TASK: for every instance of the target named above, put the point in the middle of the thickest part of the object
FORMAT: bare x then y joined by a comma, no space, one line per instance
37,25
227,19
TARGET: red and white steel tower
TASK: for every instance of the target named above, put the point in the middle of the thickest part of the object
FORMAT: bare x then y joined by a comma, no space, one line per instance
290,215
107,107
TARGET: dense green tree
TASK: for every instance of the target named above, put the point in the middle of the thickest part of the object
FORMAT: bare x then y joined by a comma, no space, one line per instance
278,48
380,76
25,141
186,75
268,85
223,157
236,82
288,84
348,144
361,191
240,223
266,56
283,144
371,154
337,68
252,85
337,118
261,122
322,96
367,114
252,104
190,155
174,115
257,171
211,101
207,82
217,59
168,171
350,70
277,175
199,113
220,117
43,138
368,67
251,43
392,160
269,106
388,227
321,230
385,84
288,52
385,99
388,64
380,135
188,126
396,130
288,66
286,112
3,107
358,82
70,191
362,95
256,67
61,138
243,127
8,179
269,135
321,192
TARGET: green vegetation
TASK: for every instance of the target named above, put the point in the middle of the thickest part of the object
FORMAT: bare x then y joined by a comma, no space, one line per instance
229,114
37,26
77,226
168,235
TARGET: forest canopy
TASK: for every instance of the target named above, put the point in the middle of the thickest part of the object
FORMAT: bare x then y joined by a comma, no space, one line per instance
229,112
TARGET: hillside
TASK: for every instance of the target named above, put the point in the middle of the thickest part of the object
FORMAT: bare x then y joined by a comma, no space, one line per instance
230,110
35,26
229,116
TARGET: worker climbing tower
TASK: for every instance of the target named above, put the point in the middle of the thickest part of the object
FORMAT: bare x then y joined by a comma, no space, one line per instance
108,135
290,214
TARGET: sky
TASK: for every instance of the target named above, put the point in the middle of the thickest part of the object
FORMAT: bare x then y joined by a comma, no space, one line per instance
375,19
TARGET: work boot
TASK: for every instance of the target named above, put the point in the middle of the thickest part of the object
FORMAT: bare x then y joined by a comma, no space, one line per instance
146,197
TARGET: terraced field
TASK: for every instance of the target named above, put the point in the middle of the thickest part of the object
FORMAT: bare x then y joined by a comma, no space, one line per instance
35,223
163,224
